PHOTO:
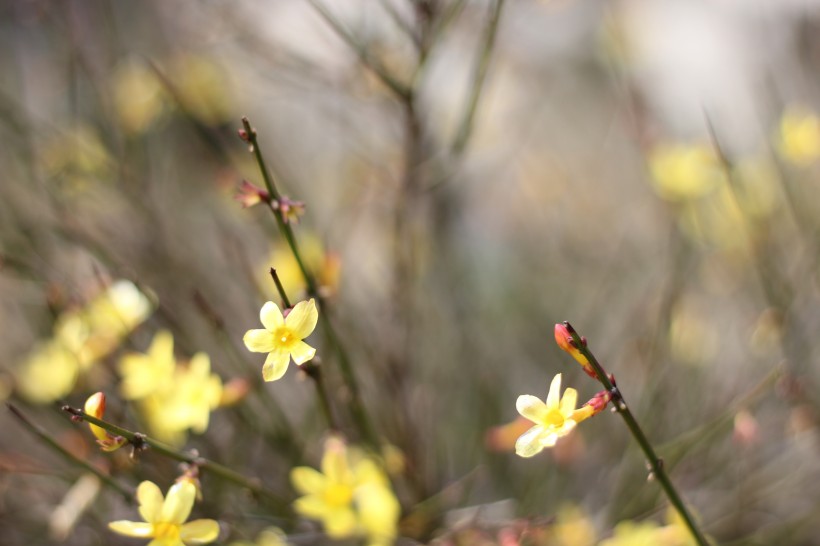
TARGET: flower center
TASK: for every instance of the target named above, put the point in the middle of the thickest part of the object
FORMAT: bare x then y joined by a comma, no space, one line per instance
555,419
284,336
338,495
167,531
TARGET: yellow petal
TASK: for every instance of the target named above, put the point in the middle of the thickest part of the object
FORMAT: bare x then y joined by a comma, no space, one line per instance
259,341
200,531
554,395
307,480
271,316
312,506
150,501
276,364
178,503
302,319
340,523
378,511
529,443
334,462
132,528
301,352
531,407
568,402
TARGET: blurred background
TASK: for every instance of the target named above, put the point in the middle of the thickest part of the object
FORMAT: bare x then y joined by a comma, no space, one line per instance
473,172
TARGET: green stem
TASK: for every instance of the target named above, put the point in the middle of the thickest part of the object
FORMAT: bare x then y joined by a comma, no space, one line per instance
655,463
141,441
314,371
280,288
53,444
356,406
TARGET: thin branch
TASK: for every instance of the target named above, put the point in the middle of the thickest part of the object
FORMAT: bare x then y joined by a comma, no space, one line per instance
395,85
127,494
141,441
655,463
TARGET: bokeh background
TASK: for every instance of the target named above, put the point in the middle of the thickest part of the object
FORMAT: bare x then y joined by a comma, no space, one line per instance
473,172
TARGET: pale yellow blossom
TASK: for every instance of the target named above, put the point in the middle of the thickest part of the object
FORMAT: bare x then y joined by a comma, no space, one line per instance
165,519
282,337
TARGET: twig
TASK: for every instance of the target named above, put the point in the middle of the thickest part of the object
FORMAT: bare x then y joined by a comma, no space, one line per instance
397,87
356,406
141,441
127,494
655,463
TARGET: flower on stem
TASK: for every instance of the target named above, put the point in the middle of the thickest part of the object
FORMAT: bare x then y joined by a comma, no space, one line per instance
165,518
351,496
565,341
95,407
249,194
282,337
552,419
291,210
596,405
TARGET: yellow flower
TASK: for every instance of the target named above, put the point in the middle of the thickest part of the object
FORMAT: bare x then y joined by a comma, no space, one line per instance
145,374
282,337
137,95
648,533
172,398
95,406
165,518
82,337
351,496
49,373
799,137
196,392
552,419
683,172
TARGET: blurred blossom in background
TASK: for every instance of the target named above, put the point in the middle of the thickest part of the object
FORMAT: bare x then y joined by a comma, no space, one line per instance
647,169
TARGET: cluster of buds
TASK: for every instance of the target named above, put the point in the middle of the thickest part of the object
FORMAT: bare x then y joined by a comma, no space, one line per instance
249,195
95,407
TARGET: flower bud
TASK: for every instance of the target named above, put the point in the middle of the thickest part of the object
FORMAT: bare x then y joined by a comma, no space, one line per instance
596,405
249,195
564,340
95,407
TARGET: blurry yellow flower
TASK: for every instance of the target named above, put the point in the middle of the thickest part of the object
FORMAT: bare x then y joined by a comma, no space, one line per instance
138,96
282,337
95,407
172,398
684,172
195,393
552,419
77,156
324,265
165,518
649,533
572,528
351,496
97,329
799,137
146,374
49,373
628,533
202,87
